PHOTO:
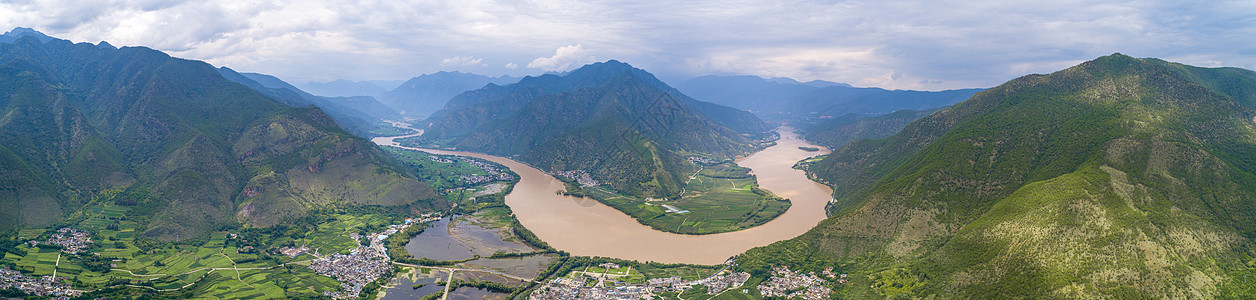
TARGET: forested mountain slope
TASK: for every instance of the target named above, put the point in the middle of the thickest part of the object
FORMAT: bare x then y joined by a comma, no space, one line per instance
1119,177
191,150
619,123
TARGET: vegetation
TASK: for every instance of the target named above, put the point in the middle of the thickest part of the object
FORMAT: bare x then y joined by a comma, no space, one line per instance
722,197
625,124
837,132
1099,180
187,149
386,129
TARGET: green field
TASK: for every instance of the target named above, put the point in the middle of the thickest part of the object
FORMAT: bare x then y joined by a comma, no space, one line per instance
442,172
210,268
719,198
385,129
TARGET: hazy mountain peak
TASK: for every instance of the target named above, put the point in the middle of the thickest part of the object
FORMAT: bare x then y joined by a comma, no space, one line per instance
19,32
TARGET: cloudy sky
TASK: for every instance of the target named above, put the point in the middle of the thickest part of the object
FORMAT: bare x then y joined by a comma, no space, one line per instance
928,45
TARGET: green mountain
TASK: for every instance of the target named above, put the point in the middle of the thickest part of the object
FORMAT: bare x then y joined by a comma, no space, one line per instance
422,95
616,122
357,114
837,132
188,149
784,99
1117,178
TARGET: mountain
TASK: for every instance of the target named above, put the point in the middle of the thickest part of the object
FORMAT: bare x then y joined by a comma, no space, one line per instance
183,147
785,99
619,123
19,32
837,132
357,114
343,88
1117,178
420,96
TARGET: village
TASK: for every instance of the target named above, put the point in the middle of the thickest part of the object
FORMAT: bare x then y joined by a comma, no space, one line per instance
70,240
50,286
578,287
361,266
783,283
580,176
789,284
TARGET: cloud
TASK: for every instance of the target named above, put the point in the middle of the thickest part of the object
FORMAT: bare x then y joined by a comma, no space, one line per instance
564,58
512,66
962,43
462,62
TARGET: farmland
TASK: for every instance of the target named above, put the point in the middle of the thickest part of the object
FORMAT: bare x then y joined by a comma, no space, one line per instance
718,198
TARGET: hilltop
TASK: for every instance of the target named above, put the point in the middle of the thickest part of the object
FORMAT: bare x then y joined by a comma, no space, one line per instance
1119,177
184,148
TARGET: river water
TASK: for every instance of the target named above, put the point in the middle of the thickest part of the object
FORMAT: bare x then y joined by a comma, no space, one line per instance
586,227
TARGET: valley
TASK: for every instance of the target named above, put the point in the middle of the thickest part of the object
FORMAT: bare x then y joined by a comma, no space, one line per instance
586,227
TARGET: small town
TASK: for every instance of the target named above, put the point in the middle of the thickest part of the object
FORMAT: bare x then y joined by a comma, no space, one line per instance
492,169
789,284
580,176
576,287
70,240
51,286
703,160
361,266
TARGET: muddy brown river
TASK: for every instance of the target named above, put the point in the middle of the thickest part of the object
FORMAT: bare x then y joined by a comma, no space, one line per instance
588,228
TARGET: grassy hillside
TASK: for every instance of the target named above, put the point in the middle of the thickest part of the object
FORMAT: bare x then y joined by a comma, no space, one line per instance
205,151
1120,177
616,122
837,132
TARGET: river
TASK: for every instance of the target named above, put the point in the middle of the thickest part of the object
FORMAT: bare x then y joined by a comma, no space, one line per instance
586,227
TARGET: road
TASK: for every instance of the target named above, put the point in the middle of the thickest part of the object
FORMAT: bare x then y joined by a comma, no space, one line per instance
468,270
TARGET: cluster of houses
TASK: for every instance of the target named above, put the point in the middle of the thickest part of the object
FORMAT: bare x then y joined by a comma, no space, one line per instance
789,284
362,265
354,270
579,287
703,160
580,176
69,239
49,286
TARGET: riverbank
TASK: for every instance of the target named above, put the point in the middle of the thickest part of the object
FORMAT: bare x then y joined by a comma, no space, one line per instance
586,227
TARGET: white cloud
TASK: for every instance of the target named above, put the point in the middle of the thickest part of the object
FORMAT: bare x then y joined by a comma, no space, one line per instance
959,43
512,66
462,62
564,58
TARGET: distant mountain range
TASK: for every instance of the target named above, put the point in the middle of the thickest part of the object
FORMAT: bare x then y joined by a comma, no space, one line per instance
186,148
357,114
837,132
1119,177
619,123
784,99
347,88
421,96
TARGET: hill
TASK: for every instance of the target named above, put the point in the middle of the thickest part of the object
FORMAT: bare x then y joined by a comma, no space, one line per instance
357,114
783,99
187,149
420,96
618,123
837,132
1117,178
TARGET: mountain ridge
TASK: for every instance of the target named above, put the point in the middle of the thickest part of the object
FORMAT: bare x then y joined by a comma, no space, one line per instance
180,136
1049,184
624,114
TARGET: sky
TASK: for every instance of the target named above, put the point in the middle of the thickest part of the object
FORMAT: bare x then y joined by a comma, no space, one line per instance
918,45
